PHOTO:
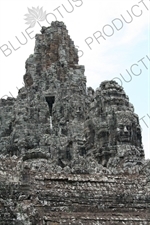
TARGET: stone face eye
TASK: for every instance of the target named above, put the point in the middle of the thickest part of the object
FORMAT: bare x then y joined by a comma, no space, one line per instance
129,128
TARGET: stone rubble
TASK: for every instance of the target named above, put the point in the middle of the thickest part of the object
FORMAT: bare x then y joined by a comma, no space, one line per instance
69,154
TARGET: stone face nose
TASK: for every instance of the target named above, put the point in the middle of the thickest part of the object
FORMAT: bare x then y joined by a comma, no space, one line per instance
125,129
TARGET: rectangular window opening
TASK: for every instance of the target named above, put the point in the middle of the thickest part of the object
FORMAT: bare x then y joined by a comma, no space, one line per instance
50,101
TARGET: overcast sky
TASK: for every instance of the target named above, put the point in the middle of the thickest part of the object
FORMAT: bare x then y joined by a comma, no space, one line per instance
113,38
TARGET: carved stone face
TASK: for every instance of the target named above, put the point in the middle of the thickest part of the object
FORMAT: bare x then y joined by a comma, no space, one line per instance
28,80
128,130
124,132
89,133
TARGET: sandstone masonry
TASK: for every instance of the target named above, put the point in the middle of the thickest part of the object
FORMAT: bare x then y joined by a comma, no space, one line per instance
70,154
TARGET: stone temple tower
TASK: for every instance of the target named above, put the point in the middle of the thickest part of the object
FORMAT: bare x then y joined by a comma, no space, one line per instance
56,117
52,103
59,82
69,154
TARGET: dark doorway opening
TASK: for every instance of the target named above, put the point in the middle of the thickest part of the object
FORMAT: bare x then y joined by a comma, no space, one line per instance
50,101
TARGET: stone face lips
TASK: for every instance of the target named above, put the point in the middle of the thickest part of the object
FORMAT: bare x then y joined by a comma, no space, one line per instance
58,133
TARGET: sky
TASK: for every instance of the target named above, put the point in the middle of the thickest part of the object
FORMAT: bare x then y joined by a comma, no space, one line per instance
112,36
